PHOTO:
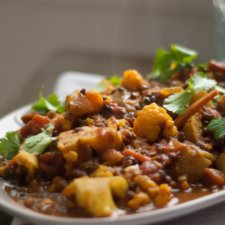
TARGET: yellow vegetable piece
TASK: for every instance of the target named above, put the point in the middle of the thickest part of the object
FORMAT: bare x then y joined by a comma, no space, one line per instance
171,90
153,120
27,160
82,103
192,162
102,171
139,199
220,162
132,80
96,194
163,195
97,138
160,194
193,128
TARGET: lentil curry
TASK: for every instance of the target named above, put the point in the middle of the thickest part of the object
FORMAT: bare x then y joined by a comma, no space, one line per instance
136,145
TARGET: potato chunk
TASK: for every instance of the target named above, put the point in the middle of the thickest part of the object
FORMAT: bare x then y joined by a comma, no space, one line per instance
139,199
213,177
153,120
160,194
132,80
193,128
96,194
220,162
192,162
81,103
27,160
97,138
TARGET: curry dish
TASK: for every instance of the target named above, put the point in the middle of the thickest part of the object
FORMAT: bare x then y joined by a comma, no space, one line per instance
131,144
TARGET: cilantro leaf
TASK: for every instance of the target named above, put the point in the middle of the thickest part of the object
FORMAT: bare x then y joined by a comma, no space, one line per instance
182,54
38,143
166,63
161,65
220,89
203,67
114,80
177,103
51,103
200,83
217,126
9,146
100,87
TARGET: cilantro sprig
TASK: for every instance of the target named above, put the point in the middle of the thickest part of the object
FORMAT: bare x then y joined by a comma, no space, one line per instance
11,144
177,103
51,103
38,143
114,80
217,127
166,63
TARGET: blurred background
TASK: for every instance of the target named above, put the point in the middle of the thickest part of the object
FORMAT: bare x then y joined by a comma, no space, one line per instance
41,39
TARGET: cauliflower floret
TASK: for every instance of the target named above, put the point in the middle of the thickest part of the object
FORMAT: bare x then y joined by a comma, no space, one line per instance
81,103
97,138
153,120
96,194
102,171
27,160
160,194
191,162
132,80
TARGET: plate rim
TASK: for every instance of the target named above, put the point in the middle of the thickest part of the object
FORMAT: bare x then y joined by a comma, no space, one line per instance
159,215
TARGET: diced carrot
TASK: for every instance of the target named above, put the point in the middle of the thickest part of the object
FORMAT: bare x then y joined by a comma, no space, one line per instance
34,126
136,155
194,108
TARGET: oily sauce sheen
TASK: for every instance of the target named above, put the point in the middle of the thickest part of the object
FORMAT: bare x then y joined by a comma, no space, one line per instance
56,204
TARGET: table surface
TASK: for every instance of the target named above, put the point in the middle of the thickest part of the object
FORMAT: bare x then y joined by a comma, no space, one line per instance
5,219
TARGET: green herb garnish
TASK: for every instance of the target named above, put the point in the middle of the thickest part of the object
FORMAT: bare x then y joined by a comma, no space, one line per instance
38,143
166,63
9,146
114,80
51,103
199,82
177,103
217,127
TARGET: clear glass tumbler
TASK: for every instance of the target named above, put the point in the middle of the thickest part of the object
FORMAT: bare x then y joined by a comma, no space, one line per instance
219,8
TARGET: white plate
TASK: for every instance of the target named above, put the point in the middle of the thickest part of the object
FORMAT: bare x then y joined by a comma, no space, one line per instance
10,122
